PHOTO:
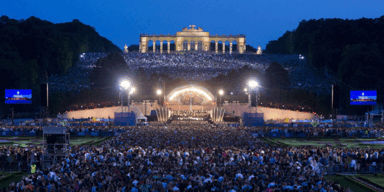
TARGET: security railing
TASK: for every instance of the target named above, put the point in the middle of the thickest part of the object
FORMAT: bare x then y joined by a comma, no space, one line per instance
12,164
315,134
351,169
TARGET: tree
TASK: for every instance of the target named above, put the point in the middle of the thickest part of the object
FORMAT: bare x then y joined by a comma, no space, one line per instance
360,69
277,76
32,48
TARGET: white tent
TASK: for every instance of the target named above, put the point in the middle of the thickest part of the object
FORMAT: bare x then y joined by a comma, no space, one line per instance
141,117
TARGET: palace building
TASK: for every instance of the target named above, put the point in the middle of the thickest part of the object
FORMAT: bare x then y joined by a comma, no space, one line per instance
193,39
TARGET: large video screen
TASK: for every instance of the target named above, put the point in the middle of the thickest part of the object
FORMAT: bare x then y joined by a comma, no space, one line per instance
18,96
363,97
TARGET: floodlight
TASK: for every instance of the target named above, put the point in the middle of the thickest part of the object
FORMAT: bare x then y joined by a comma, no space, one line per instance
221,92
253,84
158,92
125,84
133,89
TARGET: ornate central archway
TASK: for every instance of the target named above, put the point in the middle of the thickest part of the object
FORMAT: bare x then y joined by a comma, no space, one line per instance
202,95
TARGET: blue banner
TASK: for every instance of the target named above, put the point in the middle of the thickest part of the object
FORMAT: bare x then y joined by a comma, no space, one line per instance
6,133
106,134
31,134
16,133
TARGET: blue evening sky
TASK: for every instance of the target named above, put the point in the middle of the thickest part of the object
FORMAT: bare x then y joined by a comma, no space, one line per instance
122,21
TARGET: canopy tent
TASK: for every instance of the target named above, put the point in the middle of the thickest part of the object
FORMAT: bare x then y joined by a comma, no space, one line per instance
140,118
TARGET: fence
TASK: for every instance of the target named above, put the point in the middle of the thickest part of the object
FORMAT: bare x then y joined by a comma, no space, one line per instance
322,125
280,134
95,133
349,169
73,133
253,119
17,133
11,164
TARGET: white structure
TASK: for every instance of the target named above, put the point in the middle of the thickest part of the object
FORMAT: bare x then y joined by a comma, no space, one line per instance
126,49
259,51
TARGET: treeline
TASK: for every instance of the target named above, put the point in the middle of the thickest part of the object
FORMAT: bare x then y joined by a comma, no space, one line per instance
350,50
32,49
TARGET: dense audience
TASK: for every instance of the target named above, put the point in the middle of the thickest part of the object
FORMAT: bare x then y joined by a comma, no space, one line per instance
203,66
76,78
195,66
188,113
191,156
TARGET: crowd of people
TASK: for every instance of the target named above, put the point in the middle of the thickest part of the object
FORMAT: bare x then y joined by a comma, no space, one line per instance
286,106
203,66
192,66
190,156
77,77
92,105
188,113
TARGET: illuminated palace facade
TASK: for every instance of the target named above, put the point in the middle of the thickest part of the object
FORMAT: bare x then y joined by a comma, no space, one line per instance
192,39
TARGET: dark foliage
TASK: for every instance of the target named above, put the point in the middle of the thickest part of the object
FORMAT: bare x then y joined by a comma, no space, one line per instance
112,69
351,50
32,49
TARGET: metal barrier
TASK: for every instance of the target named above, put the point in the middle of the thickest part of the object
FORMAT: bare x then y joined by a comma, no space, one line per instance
280,134
349,169
14,165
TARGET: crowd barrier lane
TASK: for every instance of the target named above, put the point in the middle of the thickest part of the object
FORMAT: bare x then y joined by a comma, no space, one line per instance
278,134
30,134
80,134
106,134
17,133
12,164
5,133
87,124
354,169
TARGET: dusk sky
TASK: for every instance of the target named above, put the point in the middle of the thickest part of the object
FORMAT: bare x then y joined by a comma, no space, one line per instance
122,21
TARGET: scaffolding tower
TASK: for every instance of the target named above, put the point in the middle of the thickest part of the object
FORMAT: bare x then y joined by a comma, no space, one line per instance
55,145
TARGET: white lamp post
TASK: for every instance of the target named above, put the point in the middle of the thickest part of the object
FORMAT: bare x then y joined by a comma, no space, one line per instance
158,92
126,85
221,93
253,85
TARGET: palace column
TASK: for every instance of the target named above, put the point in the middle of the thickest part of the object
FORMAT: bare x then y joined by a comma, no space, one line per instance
223,47
169,46
143,46
196,45
230,47
189,46
161,46
154,47
216,46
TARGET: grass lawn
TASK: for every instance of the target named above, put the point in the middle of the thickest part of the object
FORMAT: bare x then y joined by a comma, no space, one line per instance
8,178
373,179
346,183
23,141
343,142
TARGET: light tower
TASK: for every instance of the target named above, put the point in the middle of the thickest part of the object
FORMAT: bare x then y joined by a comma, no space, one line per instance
126,86
253,85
